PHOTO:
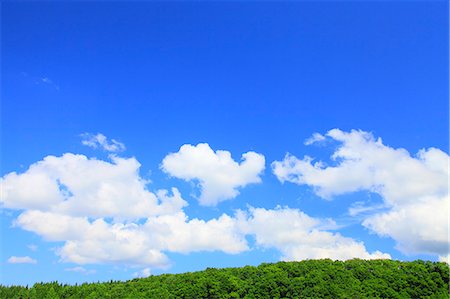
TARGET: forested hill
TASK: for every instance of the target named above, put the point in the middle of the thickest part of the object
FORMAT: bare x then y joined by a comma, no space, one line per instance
306,279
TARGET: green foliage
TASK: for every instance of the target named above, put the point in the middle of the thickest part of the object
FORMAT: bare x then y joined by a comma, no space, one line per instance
306,279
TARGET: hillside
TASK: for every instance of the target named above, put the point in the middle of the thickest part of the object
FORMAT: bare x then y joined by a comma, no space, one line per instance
306,279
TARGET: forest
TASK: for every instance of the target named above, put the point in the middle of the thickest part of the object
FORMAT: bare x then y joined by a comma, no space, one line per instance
306,279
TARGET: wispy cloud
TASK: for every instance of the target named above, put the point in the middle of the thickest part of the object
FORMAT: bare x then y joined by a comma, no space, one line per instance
47,81
81,270
316,137
101,141
21,260
32,247
359,207
40,80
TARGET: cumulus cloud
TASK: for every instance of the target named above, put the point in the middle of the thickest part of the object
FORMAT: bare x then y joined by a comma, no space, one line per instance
218,175
413,188
418,227
146,272
102,212
298,236
88,242
75,185
100,141
21,260
178,234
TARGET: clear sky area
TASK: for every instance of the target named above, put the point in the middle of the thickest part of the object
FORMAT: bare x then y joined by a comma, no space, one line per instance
140,138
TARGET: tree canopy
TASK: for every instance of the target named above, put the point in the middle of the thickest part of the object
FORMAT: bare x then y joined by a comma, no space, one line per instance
306,279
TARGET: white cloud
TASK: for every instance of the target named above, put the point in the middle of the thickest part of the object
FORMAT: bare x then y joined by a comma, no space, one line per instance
298,236
97,241
219,176
418,227
21,260
415,189
78,186
178,234
146,272
100,141
133,244
81,270
32,189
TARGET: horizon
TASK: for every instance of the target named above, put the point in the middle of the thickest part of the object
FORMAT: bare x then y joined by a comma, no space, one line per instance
146,138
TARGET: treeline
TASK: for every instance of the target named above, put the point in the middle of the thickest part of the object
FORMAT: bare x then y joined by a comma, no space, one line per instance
306,279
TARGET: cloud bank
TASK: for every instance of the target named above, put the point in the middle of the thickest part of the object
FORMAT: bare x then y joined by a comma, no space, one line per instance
413,188
298,236
103,212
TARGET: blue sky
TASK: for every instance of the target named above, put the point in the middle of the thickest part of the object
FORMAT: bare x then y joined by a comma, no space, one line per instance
126,99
